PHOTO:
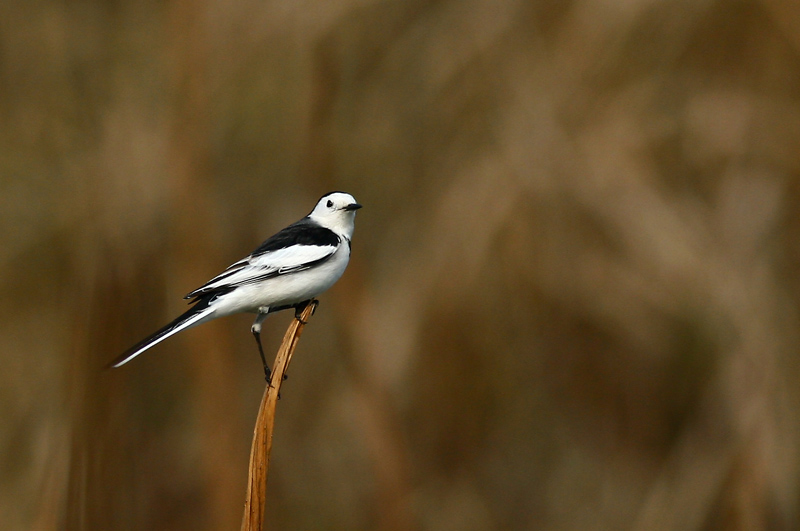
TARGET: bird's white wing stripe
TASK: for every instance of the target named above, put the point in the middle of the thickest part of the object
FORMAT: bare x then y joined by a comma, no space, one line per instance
280,262
292,256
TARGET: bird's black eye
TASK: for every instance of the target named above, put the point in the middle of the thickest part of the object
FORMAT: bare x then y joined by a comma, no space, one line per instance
329,203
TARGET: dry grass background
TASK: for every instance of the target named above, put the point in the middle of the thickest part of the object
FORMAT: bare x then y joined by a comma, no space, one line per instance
573,302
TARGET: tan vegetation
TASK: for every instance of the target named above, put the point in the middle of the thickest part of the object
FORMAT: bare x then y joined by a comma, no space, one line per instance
573,298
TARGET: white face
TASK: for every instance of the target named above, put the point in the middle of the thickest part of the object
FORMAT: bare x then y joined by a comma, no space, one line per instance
336,211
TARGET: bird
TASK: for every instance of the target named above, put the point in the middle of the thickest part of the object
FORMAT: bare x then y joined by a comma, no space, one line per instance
288,270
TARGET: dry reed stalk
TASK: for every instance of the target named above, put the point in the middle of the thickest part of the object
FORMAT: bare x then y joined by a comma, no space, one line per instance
253,518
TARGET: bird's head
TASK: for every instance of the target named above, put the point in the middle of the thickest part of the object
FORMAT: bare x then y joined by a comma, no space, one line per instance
336,211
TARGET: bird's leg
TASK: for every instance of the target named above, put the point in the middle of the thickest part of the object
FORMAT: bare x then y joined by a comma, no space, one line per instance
256,329
298,309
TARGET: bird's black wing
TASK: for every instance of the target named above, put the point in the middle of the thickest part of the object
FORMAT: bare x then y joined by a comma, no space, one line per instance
298,247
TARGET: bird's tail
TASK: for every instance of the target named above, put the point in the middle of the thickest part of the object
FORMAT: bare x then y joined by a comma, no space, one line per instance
198,313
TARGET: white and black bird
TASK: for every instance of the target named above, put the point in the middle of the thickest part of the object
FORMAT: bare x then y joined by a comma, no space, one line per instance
287,271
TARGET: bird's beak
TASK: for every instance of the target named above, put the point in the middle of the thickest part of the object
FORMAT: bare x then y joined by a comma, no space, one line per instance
352,206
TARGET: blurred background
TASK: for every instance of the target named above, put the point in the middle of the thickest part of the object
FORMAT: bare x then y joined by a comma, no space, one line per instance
573,298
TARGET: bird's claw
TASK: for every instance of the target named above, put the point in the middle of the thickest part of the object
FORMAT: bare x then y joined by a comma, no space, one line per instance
298,310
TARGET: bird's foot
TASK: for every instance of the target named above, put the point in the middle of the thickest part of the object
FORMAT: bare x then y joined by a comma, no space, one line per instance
298,310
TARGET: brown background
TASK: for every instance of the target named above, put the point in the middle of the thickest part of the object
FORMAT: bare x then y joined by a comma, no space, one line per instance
573,300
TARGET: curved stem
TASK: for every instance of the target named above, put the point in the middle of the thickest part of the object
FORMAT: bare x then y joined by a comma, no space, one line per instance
253,518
